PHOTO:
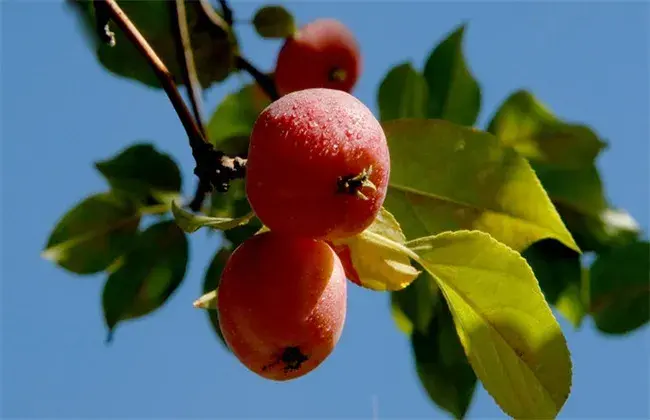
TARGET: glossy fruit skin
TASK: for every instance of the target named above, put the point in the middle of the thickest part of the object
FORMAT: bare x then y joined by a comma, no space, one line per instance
282,304
345,255
300,147
312,56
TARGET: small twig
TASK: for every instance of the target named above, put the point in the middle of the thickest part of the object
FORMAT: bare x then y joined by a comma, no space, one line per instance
264,80
186,58
214,169
214,17
227,12
192,84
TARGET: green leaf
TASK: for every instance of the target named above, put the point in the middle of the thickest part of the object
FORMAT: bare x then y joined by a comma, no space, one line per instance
559,273
274,22
231,123
232,203
375,258
190,222
563,155
211,284
413,307
142,171
507,329
572,301
214,48
526,124
599,232
152,270
454,94
94,234
441,364
620,288
403,94
446,177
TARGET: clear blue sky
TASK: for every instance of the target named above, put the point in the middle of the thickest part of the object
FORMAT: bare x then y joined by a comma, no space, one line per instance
61,111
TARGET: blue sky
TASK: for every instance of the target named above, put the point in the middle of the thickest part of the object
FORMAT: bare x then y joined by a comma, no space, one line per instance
588,61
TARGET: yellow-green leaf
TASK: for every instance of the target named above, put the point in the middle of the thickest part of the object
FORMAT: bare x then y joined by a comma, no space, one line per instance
507,329
376,258
190,222
445,177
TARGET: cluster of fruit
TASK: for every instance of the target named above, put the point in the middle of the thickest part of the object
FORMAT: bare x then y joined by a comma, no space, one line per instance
317,172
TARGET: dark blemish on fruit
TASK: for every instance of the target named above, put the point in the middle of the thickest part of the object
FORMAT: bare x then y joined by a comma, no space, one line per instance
352,184
292,358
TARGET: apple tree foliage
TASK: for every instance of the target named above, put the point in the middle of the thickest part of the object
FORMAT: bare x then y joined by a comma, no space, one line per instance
484,229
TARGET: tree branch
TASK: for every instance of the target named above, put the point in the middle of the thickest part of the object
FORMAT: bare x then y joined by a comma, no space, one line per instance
213,168
227,12
264,80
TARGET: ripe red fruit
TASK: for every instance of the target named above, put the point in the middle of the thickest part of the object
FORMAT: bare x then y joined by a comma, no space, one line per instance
282,304
318,165
323,53
345,255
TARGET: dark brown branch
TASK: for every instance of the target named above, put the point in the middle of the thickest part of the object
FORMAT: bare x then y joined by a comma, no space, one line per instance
227,12
213,168
264,80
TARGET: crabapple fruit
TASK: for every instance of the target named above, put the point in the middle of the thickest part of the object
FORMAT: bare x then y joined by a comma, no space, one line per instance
318,165
282,304
323,53
345,255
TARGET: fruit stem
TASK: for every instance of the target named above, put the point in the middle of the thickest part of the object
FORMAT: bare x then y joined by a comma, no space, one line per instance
352,184
263,80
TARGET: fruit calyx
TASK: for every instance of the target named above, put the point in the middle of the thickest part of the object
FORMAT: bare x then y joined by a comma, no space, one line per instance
352,184
291,358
